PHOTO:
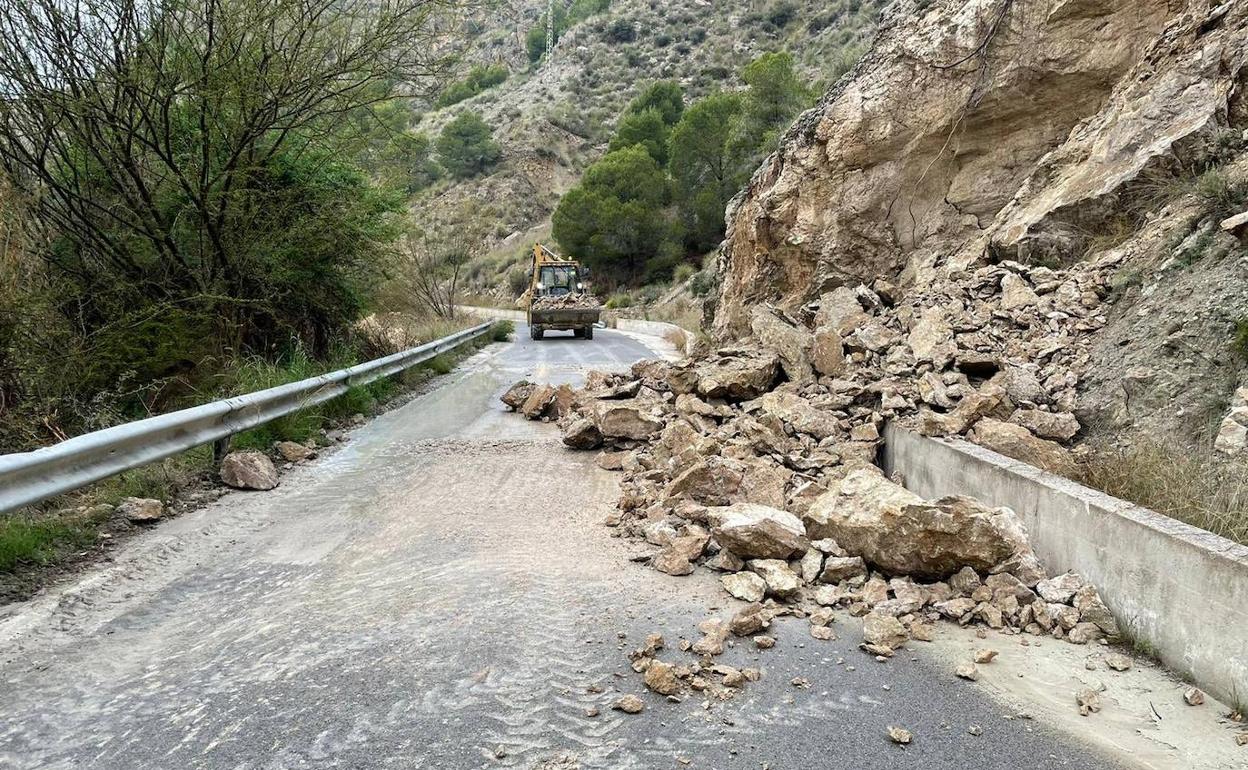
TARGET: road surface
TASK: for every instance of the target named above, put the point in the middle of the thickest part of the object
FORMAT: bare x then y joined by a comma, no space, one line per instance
440,593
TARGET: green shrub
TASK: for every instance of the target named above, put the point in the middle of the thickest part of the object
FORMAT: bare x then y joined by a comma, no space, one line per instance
621,31
466,146
1240,343
442,363
683,272
479,79
501,331
619,301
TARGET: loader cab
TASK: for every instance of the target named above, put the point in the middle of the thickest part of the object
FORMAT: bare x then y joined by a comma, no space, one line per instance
558,280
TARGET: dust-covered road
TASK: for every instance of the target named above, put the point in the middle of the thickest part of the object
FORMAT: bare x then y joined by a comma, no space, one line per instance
439,593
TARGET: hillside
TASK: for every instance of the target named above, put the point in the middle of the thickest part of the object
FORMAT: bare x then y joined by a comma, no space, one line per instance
554,119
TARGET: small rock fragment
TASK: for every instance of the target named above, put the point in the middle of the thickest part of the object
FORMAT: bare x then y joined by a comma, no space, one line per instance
985,655
967,671
141,510
764,642
1089,702
899,735
629,704
1193,696
660,678
1118,662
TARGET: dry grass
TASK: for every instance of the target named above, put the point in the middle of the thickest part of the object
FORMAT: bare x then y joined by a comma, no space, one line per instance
1199,487
680,312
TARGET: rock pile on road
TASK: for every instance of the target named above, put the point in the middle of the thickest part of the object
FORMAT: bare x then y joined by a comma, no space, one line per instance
755,460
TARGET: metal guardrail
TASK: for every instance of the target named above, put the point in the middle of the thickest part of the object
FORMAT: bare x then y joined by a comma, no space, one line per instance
30,477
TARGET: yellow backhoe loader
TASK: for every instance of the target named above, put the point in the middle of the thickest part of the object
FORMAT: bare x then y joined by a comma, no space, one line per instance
557,296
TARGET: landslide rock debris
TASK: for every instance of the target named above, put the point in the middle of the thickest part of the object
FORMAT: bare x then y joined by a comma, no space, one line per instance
744,463
568,301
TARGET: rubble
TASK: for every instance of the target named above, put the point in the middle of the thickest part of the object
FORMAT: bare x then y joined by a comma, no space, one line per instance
756,459
566,301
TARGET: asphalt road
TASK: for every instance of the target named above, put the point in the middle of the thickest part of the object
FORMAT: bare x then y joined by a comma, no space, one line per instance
439,593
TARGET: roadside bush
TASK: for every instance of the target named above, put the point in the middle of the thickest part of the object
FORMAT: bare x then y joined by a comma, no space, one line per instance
1240,343
466,146
501,331
619,301
683,272
1221,197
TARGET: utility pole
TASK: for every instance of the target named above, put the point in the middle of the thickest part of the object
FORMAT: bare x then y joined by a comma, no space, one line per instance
549,29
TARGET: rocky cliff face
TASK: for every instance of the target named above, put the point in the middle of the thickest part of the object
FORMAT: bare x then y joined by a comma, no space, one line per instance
1049,134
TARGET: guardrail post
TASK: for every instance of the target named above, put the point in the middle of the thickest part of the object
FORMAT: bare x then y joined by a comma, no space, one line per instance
220,448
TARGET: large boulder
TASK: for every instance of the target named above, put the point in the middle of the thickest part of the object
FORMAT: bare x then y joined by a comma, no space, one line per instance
711,481
248,470
790,341
798,412
898,532
782,582
1232,437
827,353
754,531
618,420
931,339
840,312
990,400
746,586
1056,426
539,399
582,434
737,374
1021,444
517,394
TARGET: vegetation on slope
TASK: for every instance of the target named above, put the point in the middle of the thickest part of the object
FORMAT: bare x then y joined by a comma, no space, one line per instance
658,195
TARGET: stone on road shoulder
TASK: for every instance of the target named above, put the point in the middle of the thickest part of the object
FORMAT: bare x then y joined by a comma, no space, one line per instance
439,593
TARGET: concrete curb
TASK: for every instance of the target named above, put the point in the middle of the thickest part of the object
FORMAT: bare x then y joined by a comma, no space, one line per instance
1179,591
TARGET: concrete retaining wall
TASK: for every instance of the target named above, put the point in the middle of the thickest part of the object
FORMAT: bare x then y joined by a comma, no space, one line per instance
1180,590
652,328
